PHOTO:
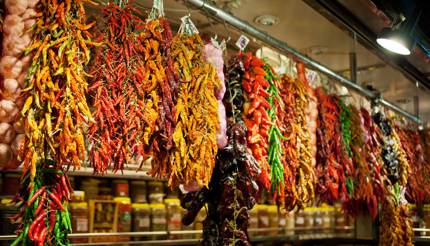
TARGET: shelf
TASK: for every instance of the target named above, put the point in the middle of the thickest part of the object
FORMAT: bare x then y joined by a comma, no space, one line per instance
129,172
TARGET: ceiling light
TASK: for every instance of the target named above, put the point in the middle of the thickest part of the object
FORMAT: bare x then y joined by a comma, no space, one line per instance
267,20
395,41
400,37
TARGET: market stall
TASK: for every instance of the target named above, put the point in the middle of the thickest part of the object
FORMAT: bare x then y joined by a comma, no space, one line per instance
121,131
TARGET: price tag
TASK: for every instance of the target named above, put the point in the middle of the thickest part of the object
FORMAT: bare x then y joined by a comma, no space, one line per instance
242,42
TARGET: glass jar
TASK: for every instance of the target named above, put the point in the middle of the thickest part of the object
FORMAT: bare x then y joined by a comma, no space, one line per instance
426,218
158,218
340,221
309,221
318,222
300,222
7,210
289,223
253,220
121,188
263,218
273,219
141,218
138,191
124,216
174,216
156,192
79,217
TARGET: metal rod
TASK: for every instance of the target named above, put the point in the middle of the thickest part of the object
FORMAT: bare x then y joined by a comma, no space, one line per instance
283,46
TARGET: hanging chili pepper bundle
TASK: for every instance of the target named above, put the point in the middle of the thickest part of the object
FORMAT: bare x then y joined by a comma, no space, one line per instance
43,218
275,151
305,175
329,169
288,128
346,154
418,181
55,110
195,143
255,115
376,175
397,226
125,99
157,38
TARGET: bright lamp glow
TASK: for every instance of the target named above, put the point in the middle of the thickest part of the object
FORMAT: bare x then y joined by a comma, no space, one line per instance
393,46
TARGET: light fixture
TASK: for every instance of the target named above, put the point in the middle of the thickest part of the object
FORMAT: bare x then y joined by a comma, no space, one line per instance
400,37
395,41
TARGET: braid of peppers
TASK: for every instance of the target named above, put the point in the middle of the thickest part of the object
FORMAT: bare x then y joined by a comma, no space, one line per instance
275,151
346,134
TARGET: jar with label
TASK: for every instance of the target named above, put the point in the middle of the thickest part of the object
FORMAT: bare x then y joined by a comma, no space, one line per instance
138,191
340,221
124,215
158,218
318,222
141,217
326,225
309,221
198,222
289,223
156,192
263,218
300,222
174,216
79,218
121,188
426,217
273,219
253,220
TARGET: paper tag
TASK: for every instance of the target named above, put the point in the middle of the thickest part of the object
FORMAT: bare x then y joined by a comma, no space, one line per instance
188,25
81,225
144,222
242,42
157,4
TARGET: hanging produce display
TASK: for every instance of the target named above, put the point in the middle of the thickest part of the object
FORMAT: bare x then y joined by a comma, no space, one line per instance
195,146
418,181
16,36
288,128
346,154
158,35
44,217
255,115
330,169
55,114
125,102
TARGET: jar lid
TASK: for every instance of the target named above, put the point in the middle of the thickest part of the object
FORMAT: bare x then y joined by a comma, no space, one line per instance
122,199
6,201
78,205
138,182
155,183
272,208
157,205
174,201
140,205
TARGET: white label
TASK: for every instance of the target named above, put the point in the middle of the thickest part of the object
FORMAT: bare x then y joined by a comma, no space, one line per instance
300,220
189,25
264,221
318,221
81,225
144,222
159,220
157,4
282,222
242,42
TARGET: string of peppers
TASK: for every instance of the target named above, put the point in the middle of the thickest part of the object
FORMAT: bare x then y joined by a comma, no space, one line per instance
125,111
275,151
55,114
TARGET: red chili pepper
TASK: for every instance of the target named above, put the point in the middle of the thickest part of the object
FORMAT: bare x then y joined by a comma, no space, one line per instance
41,203
56,200
35,223
65,186
52,218
35,195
